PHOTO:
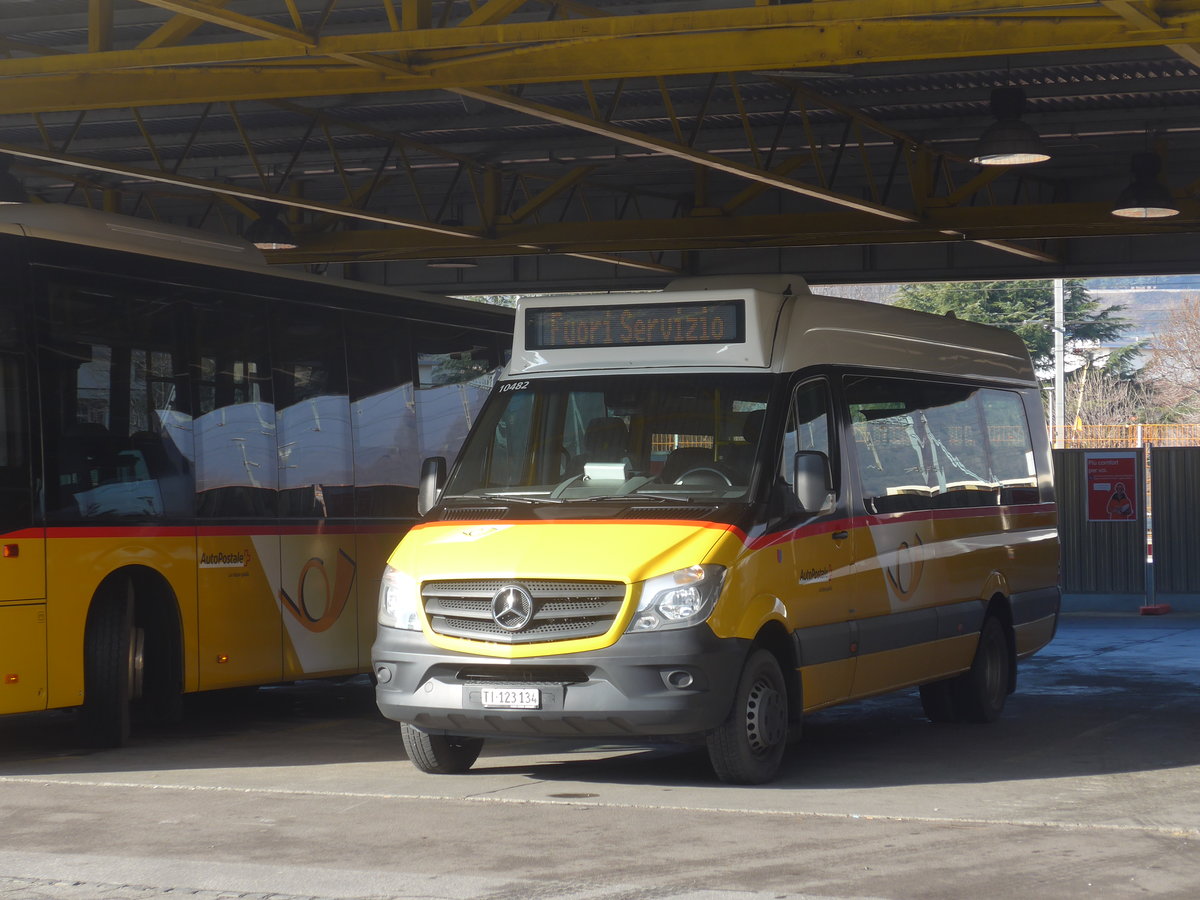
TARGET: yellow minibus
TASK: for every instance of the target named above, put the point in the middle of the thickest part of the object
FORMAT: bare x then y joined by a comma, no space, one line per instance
702,513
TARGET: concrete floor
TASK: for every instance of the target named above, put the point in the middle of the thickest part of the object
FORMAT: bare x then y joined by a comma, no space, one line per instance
1089,786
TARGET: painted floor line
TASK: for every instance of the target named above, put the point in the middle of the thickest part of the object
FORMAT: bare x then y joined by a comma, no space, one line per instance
1179,831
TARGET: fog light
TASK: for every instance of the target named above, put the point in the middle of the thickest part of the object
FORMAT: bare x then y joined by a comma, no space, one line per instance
680,679
383,674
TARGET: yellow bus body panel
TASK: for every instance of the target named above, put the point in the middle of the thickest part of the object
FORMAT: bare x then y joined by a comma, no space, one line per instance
22,657
78,560
23,565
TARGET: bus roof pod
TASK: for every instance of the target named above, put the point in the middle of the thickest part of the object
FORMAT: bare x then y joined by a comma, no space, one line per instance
77,225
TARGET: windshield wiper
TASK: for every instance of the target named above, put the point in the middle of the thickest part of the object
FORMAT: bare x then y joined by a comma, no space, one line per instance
635,496
513,498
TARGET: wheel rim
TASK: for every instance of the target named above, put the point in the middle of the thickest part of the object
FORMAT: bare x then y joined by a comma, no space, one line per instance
137,662
766,718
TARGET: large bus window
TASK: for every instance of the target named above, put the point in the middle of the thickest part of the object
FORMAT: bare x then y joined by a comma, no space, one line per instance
116,391
15,493
237,472
383,416
312,412
456,368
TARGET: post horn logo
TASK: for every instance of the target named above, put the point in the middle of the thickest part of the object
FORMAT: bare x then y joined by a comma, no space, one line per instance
904,575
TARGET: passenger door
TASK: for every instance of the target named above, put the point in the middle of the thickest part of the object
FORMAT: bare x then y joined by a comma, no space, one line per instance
820,597
22,563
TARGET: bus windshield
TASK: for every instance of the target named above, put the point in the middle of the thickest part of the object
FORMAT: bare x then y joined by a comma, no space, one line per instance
682,437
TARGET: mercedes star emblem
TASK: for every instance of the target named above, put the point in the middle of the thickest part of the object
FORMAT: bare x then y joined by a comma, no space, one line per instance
512,607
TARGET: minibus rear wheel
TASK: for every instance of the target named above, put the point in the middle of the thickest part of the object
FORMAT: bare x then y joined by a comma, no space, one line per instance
439,754
980,692
748,746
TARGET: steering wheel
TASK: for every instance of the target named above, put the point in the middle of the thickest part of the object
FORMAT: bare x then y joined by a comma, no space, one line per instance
708,475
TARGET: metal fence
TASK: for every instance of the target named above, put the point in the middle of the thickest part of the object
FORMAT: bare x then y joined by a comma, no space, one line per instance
1135,434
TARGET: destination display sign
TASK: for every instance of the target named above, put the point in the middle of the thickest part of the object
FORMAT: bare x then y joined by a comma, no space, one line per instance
636,325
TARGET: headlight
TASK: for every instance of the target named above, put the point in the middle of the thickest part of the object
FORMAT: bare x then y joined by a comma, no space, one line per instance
677,599
399,601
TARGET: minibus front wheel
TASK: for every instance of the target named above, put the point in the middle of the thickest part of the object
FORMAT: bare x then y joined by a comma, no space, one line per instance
439,754
748,746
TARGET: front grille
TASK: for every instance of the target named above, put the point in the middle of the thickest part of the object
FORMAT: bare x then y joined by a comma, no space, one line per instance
561,609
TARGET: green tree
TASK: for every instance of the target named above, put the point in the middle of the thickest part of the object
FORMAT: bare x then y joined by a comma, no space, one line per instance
1026,307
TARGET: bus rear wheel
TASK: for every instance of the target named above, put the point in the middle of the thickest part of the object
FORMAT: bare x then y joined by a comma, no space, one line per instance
439,754
114,666
748,746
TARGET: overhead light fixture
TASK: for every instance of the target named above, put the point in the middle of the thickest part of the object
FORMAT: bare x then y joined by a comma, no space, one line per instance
11,189
1009,141
1146,197
267,232
452,264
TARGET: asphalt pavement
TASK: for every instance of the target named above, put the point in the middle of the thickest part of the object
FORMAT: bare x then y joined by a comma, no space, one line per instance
1089,786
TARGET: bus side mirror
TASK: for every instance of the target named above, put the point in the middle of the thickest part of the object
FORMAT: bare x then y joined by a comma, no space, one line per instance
811,479
433,479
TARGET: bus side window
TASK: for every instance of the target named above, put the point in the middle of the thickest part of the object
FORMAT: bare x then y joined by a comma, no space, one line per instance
1009,446
383,415
237,472
891,443
312,414
15,503
115,392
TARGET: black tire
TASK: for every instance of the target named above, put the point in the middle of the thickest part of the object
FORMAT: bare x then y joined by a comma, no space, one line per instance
748,746
161,693
937,699
439,754
112,667
980,692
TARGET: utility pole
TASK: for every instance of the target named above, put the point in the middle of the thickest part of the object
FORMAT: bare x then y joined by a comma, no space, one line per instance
1060,326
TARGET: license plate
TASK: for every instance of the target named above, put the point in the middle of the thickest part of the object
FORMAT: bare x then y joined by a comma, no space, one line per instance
511,698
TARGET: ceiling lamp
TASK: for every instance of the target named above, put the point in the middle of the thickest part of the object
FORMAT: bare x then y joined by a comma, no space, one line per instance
1146,197
268,233
11,189
1009,141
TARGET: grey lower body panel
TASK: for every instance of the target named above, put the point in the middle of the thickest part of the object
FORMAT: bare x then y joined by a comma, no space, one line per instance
674,684
1030,606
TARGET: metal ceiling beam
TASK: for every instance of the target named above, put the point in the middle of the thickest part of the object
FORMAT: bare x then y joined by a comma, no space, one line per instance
683,152
216,15
795,36
840,228
230,190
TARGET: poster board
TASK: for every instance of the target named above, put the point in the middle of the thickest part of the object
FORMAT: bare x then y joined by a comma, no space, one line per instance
1111,486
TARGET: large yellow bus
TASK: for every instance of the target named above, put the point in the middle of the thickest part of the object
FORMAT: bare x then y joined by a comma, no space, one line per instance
704,513
204,464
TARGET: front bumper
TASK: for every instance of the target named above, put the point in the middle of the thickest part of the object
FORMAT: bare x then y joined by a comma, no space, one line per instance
670,684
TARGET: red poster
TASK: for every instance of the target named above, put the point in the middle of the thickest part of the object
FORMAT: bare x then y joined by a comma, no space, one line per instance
1111,486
